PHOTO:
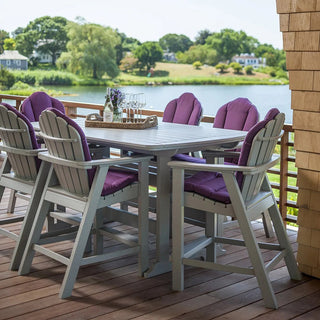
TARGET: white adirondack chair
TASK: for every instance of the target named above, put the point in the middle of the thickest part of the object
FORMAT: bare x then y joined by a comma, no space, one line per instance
19,172
241,191
89,187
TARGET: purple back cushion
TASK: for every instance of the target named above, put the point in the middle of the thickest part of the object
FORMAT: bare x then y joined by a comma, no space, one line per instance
37,102
185,110
115,179
246,147
238,114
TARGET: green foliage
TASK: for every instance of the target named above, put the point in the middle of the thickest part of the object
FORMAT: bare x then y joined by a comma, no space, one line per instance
42,77
7,78
125,46
237,67
228,43
48,35
272,72
128,63
91,51
249,70
202,36
204,54
174,42
197,64
9,44
281,74
3,35
222,67
148,54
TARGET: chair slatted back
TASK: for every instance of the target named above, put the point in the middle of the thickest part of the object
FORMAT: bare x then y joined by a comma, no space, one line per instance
64,141
261,152
15,133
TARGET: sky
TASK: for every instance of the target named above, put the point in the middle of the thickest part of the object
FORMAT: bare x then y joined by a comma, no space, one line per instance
149,20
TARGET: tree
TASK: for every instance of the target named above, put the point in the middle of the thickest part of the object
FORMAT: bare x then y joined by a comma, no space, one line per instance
91,50
202,36
228,43
126,45
148,54
204,54
9,44
45,34
3,35
174,42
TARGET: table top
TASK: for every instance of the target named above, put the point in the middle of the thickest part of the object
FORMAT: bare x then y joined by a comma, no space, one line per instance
164,137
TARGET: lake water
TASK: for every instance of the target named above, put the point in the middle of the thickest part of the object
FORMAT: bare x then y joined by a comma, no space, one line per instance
211,97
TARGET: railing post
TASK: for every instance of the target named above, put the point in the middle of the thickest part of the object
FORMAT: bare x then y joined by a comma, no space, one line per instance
284,154
71,111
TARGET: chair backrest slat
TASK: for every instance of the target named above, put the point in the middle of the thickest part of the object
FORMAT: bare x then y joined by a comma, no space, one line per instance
261,151
71,179
15,133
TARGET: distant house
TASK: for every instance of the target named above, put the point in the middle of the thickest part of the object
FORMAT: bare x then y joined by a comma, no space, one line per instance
12,59
169,56
246,59
43,57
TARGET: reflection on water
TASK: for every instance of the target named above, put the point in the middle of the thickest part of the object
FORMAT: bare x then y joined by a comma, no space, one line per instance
211,97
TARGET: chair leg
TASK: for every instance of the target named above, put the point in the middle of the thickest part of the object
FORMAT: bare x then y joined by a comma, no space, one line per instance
39,220
257,261
284,242
211,231
251,242
267,225
77,252
12,201
178,234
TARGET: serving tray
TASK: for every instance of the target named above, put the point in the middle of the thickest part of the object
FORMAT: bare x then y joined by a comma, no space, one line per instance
148,122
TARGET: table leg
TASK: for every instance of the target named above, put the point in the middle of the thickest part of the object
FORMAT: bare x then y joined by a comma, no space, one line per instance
162,263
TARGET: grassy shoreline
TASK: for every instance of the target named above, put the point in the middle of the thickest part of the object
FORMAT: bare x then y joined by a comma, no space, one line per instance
164,74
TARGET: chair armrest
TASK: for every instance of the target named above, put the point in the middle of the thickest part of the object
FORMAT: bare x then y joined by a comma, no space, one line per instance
25,152
93,163
222,168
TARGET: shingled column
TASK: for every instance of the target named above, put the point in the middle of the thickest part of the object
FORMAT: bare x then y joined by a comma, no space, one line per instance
300,25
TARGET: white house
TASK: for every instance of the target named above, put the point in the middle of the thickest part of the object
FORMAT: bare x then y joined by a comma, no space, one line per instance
246,59
12,59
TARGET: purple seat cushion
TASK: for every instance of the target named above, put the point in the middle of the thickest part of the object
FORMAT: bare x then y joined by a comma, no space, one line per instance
208,184
185,110
211,184
115,179
186,157
238,114
37,102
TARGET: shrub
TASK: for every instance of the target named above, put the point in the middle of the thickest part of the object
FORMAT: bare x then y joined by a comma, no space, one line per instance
236,66
248,70
197,65
7,78
222,67
272,72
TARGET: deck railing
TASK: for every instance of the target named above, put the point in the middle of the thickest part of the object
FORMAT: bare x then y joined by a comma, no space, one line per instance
286,193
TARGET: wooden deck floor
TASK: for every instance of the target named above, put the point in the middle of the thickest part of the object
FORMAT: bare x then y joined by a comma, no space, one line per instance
112,290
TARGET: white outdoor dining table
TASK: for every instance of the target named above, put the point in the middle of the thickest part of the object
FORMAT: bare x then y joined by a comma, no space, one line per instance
163,141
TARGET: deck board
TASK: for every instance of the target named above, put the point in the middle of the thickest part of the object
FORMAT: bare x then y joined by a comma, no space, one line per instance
112,290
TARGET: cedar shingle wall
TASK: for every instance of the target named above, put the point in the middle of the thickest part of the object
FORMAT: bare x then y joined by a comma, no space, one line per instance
300,26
